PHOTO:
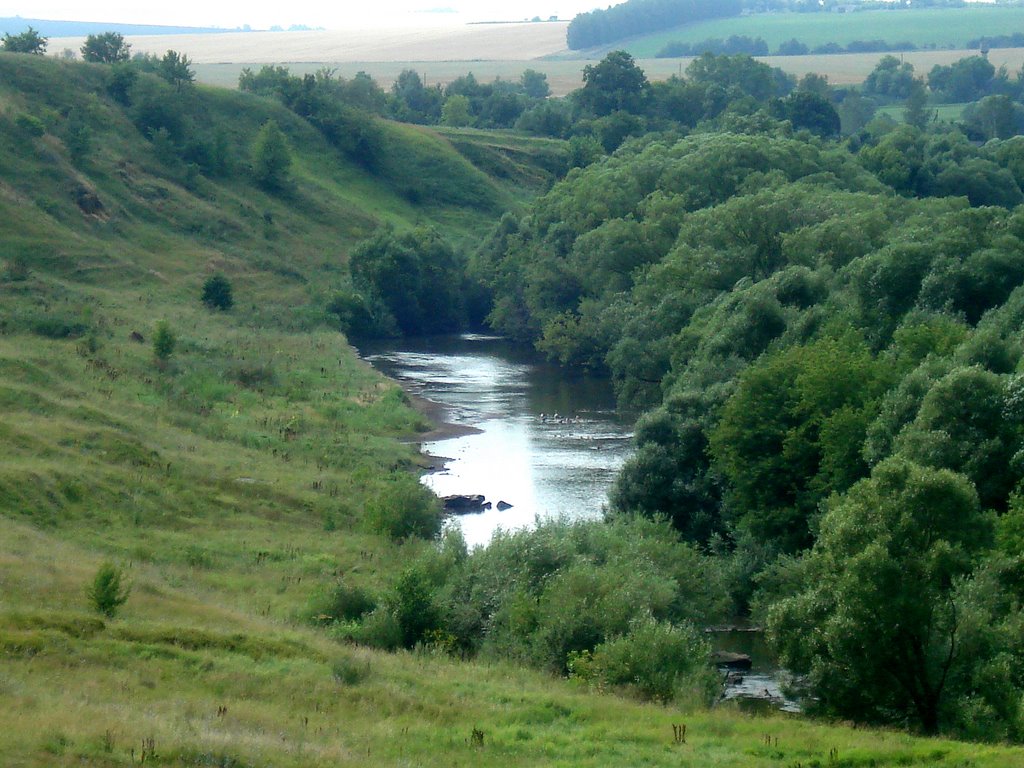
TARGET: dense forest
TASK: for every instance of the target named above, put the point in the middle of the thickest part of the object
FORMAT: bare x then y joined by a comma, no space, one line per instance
599,27
817,309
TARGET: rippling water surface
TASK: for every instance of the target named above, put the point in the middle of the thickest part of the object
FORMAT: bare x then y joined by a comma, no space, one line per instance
549,444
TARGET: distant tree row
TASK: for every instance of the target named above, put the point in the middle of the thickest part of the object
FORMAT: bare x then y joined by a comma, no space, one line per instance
635,17
758,47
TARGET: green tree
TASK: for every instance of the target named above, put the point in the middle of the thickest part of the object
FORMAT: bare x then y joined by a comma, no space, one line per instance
176,69
877,625
455,111
108,592
271,158
164,341
106,48
917,113
29,41
217,293
535,84
791,433
615,83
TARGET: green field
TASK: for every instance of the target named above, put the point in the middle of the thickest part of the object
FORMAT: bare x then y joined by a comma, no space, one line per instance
927,27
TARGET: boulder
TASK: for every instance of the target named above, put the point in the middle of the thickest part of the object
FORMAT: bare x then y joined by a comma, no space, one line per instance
462,504
503,505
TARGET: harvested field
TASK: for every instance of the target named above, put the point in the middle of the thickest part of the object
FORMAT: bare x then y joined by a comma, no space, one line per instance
442,54
564,76
468,42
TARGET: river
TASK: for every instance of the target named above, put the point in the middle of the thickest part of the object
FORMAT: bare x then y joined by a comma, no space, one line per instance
548,442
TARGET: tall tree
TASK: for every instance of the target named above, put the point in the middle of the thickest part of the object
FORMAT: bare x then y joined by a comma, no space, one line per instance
106,48
176,69
615,83
877,625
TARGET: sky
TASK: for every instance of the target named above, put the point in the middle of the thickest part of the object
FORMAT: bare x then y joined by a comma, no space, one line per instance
313,13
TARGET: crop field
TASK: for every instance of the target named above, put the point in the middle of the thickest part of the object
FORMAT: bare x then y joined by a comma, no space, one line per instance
565,76
513,42
926,27
489,51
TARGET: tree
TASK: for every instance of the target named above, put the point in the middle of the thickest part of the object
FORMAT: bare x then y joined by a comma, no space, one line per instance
108,592
535,84
176,69
271,158
164,342
106,48
615,83
877,625
456,111
29,41
917,113
217,293
805,109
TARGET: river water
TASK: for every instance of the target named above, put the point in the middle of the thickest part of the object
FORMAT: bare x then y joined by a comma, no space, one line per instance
548,442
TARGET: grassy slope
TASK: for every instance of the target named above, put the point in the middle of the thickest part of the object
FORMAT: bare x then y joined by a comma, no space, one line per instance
941,27
231,484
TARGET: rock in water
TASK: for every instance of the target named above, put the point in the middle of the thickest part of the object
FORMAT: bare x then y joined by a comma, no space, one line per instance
462,504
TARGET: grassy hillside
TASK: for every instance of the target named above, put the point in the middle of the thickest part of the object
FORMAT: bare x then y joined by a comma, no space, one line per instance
924,27
238,481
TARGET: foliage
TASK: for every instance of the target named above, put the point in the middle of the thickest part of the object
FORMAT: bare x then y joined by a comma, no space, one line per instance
217,293
415,279
164,341
634,17
108,592
614,84
176,69
271,158
106,48
29,41
401,507
880,623
656,659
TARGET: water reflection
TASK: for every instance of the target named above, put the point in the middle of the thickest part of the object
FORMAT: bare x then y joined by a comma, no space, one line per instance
549,443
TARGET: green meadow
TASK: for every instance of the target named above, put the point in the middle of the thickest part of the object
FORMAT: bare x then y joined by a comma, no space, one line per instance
924,27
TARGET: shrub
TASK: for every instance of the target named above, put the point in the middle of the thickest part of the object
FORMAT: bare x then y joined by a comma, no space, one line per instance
217,293
654,658
341,602
108,592
403,508
164,341
380,629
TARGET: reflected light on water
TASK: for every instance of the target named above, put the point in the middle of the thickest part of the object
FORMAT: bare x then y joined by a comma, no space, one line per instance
550,444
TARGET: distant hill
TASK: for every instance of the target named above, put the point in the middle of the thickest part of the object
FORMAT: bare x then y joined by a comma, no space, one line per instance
15,24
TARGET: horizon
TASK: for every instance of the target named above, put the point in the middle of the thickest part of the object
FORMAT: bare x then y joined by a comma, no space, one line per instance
236,15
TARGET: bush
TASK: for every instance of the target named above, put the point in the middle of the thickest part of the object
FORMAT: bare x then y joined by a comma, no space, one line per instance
655,658
217,293
108,593
380,629
164,341
403,508
340,602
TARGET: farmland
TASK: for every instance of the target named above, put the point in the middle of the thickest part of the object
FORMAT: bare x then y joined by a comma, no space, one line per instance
926,27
